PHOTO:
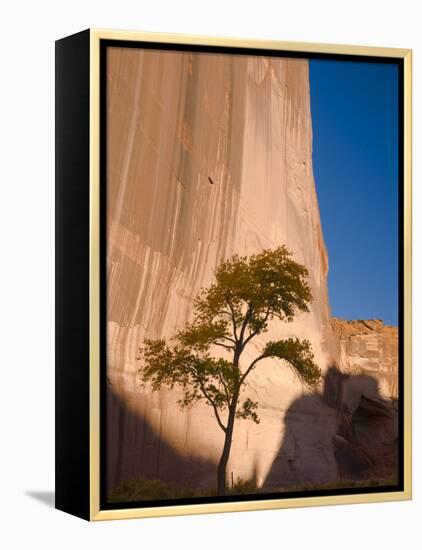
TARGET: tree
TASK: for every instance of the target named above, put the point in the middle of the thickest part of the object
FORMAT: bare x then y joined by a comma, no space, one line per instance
248,293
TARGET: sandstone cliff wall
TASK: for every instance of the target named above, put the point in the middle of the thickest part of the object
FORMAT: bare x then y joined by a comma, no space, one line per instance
369,348
211,155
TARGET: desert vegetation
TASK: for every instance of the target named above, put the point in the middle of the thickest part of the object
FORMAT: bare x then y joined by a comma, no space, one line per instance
248,293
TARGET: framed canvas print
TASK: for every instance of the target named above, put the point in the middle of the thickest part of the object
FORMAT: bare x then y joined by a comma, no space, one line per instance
233,274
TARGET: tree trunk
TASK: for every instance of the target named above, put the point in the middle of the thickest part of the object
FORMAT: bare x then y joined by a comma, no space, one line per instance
222,465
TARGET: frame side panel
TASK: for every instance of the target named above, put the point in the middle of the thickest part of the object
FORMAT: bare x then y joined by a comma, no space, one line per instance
72,274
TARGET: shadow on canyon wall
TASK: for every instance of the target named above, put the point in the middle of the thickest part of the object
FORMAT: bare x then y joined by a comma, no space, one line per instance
134,449
351,434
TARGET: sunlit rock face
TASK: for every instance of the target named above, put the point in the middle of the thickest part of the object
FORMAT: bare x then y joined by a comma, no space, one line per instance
210,155
358,403
366,440
370,348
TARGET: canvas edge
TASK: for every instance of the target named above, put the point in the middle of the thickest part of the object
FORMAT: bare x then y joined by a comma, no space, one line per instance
96,514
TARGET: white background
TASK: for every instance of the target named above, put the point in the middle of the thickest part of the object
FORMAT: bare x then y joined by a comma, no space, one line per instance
27,37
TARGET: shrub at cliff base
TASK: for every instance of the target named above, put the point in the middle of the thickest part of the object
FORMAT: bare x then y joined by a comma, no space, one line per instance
141,489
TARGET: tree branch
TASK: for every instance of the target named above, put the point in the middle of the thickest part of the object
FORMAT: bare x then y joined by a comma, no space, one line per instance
217,416
229,339
251,366
226,391
233,316
214,406
223,345
256,331
245,324
223,312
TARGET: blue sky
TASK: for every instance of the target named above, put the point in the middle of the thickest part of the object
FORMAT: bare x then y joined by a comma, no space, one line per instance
355,143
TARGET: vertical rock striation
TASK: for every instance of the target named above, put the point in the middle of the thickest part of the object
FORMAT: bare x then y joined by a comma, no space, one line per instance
208,155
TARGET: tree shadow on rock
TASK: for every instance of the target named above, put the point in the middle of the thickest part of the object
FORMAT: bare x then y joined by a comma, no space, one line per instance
349,433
